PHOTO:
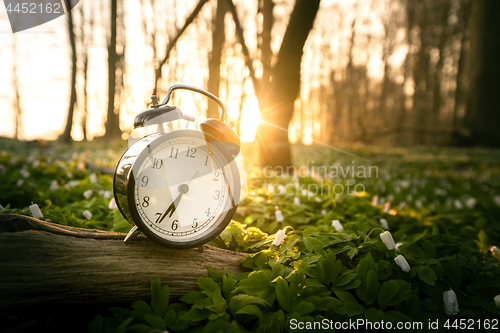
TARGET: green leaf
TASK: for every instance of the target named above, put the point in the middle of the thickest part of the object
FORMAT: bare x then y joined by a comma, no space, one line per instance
345,296
427,275
228,283
123,326
350,309
141,309
387,291
313,244
155,322
207,284
191,296
215,274
159,297
250,310
283,294
304,308
195,315
95,325
170,318
258,284
219,302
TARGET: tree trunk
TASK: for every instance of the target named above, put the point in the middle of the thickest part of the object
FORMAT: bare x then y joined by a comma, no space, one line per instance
66,135
460,77
15,86
483,111
113,118
214,61
277,101
55,265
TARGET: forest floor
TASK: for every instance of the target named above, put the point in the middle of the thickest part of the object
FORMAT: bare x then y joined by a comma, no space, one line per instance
442,205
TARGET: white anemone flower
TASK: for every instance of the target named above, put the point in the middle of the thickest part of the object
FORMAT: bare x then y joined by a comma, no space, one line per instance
450,302
112,203
495,250
279,215
35,211
87,214
87,194
401,261
337,225
278,239
93,178
384,224
54,186
296,201
497,301
386,237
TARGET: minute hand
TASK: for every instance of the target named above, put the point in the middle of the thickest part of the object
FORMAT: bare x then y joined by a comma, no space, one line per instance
172,207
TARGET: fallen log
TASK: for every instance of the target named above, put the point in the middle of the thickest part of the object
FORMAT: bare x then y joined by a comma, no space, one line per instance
56,265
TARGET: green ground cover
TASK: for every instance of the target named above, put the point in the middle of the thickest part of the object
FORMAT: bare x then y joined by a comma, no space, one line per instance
441,206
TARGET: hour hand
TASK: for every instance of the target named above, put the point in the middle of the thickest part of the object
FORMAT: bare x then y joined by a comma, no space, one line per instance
183,188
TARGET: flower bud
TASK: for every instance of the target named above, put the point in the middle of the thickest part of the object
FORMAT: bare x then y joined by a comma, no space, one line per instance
384,224
87,214
279,215
35,211
112,203
337,225
497,301
450,302
386,237
401,261
278,239
495,251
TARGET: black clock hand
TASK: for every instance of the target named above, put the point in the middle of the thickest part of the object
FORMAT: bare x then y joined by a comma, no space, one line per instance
183,188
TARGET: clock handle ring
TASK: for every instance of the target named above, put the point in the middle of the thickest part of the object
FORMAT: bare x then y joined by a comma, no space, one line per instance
195,89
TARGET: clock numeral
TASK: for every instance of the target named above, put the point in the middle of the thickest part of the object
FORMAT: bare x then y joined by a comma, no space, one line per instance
145,181
172,152
195,223
175,225
206,161
145,202
216,174
158,217
157,163
208,211
217,195
190,152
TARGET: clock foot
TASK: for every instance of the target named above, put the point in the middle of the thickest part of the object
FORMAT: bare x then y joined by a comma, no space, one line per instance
200,248
132,234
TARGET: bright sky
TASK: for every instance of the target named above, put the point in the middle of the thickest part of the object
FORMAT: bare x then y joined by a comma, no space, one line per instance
43,61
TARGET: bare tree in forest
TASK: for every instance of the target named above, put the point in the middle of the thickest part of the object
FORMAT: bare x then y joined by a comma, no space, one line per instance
15,85
115,63
483,109
214,61
85,42
278,94
172,40
66,135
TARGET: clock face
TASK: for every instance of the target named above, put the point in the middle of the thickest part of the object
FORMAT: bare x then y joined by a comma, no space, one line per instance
182,190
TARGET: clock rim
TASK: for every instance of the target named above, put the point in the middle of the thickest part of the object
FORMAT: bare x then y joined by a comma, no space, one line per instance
221,222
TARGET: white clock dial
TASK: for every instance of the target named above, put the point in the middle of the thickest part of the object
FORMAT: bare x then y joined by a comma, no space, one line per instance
181,188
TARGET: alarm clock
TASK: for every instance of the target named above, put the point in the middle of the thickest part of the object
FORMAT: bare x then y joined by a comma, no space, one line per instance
180,188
